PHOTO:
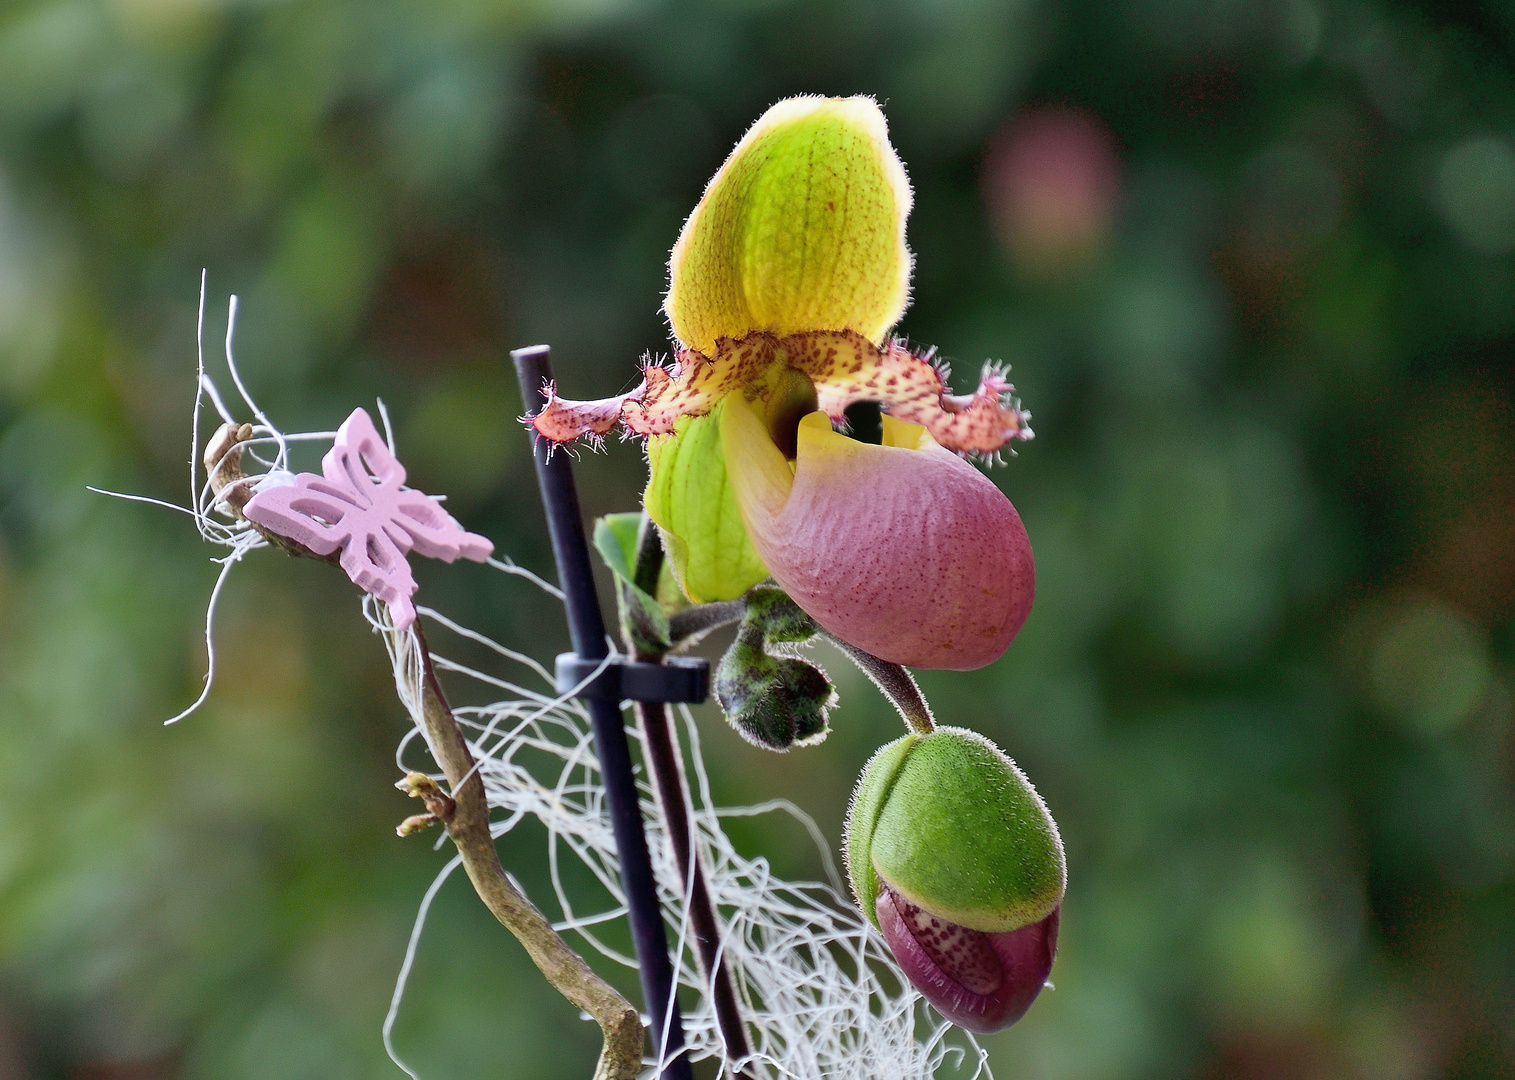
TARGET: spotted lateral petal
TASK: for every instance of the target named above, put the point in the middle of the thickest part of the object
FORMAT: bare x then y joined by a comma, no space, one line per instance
360,507
563,420
691,386
845,367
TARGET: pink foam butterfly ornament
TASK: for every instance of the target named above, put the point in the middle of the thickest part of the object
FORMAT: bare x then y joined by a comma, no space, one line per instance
361,506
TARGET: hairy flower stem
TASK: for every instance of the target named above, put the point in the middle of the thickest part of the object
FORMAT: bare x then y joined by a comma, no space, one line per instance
662,758
465,815
687,627
895,683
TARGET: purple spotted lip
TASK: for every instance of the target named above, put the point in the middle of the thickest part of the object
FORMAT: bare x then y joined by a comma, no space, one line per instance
980,981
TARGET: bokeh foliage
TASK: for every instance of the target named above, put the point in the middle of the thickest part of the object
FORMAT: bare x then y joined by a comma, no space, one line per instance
1251,260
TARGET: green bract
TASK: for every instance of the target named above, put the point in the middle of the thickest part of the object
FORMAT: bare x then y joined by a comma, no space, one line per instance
956,829
643,619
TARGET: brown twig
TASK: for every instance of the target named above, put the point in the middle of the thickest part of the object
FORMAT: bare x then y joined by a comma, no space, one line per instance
468,826
465,814
223,461
232,489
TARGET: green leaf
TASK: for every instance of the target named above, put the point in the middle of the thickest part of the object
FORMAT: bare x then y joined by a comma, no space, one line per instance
615,537
643,620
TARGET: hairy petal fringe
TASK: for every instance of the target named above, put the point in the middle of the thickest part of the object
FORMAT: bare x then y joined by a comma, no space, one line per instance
845,368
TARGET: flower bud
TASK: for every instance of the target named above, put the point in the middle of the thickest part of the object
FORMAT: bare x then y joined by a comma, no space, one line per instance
776,702
955,858
774,699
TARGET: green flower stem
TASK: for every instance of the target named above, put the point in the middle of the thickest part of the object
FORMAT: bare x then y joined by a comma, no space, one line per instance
895,683
662,759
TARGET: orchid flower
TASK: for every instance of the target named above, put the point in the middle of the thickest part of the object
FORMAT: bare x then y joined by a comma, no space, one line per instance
785,285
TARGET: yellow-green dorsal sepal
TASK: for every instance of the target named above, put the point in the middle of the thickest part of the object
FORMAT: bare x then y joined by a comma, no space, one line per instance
803,228
956,829
689,496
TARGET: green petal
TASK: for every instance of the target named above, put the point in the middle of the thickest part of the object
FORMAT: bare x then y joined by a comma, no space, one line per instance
689,496
961,833
803,228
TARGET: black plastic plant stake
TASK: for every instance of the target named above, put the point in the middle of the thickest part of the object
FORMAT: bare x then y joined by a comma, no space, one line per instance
586,626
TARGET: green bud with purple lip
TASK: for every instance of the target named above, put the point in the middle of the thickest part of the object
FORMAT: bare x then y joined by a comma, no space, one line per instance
954,857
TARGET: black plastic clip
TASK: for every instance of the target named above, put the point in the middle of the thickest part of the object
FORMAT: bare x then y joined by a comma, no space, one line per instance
677,680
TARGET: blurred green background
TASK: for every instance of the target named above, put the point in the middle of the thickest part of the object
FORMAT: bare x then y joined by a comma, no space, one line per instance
1251,261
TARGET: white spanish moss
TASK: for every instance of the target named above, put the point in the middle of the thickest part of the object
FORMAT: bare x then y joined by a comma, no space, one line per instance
823,996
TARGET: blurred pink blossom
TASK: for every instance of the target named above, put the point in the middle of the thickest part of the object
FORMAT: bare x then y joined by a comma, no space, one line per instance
1051,180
